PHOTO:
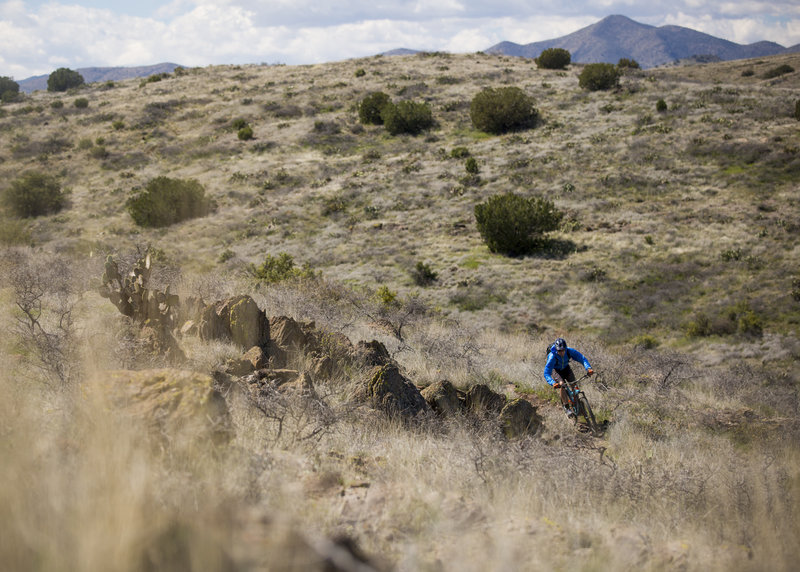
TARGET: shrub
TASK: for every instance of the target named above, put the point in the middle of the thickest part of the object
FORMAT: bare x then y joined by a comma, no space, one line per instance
166,201
778,71
33,194
595,77
748,73
9,89
498,110
625,63
63,79
513,225
118,124
238,123
245,133
81,103
57,104
279,268
369,110
459,152
661,106
360,72
471,166
797,109
423,274
407,117
554,59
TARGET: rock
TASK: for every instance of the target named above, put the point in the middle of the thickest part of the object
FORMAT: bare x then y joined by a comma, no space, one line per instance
257,357
480,398
518,417
389,391
442,397
248,323
371,354
171,402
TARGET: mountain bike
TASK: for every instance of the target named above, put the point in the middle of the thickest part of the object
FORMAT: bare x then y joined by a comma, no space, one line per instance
579,405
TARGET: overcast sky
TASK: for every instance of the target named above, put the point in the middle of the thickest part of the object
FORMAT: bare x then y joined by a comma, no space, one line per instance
39,36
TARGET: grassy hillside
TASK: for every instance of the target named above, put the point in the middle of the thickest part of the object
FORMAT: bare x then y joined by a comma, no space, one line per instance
675,270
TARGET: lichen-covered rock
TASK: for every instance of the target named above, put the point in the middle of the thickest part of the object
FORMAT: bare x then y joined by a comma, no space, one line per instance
387,389
518,417
371,353
442,397
172,403
481,399
248,323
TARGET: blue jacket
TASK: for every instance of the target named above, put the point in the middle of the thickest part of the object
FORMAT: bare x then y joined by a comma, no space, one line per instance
555,361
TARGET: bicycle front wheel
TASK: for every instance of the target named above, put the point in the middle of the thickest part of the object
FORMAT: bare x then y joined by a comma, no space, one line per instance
586,411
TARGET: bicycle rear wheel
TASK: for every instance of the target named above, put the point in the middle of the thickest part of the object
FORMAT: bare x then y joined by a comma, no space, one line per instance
586,411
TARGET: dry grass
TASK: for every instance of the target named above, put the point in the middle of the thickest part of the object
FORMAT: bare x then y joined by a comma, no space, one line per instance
670,215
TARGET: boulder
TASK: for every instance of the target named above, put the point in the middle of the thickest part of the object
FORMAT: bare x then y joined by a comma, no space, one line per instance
442,397
248,323
387,389
372,354
481,399
172,403
518,418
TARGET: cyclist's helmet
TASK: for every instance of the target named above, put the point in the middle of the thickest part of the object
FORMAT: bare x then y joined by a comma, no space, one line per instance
560,344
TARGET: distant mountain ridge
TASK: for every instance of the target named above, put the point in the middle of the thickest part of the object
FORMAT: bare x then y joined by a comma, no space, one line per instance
616,37
92,75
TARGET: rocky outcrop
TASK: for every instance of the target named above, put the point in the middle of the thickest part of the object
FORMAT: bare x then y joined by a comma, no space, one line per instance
388,390
518,418
173,403
443,398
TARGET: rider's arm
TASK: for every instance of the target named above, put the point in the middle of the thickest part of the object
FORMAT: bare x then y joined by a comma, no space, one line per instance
578,356
548,368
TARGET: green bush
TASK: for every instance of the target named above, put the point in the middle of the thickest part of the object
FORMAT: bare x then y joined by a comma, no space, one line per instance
661,106
503,109
514,225
360,72
33,194
595,77
625,63
167,201
278,269
471,166
238,123
81,103
63,79
423,274
407,117
9,89
245,133
748,73
778,71
554,59
369,110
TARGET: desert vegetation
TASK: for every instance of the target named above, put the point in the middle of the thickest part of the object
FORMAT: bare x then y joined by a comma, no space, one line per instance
289,352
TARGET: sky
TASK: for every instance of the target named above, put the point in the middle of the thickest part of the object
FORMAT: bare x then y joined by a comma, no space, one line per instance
39,36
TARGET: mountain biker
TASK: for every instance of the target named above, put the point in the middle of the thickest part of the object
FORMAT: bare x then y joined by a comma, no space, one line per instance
557,365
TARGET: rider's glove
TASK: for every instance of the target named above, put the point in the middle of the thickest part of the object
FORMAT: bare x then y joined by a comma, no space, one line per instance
589,372
556,385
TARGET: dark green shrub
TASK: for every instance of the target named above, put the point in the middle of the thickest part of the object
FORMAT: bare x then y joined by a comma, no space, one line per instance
81,103
57,104
360,72
797,109
459,152
63,79
369,110
748,73
279,269
407,117
778,71
503,109
238,123
554,59
661,106
423,274
9,89
245,133
33,194
514,225
471,166
625,63
118,124
595,77
167,201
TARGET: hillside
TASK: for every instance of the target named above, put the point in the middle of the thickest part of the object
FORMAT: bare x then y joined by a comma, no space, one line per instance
616,37
675,270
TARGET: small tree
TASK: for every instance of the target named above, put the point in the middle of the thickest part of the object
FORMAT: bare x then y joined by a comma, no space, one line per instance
407,117
513,225
167,201
498,110
595,77
9,89
625,63
554,59
63,79
34,194
369,110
